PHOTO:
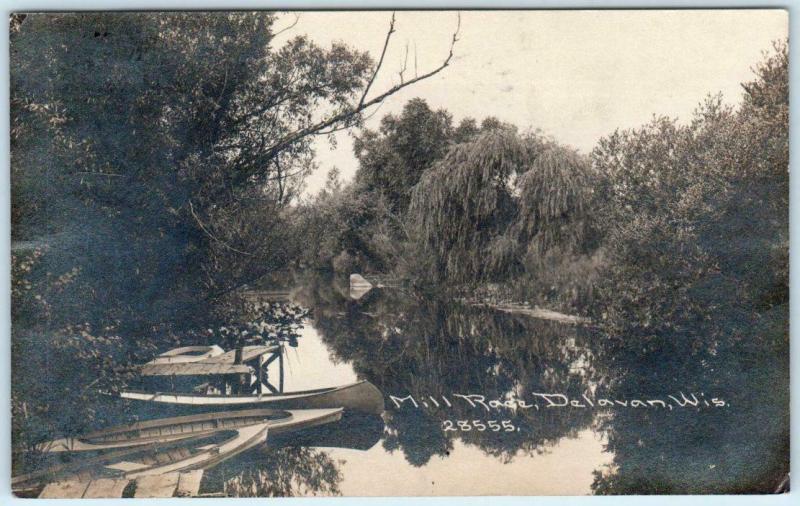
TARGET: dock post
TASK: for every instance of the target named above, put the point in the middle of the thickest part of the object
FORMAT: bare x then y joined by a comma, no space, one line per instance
280,368
260,385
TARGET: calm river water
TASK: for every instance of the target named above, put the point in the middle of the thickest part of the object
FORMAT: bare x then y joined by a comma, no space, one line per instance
480,401
669,424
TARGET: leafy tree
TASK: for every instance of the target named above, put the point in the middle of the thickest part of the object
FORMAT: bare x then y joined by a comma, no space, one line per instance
157,143
178,137
695,291
392,159
495,199
154,158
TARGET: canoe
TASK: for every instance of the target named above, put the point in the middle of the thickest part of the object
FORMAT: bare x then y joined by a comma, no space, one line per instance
142,464
141,461
165,430
199,450
362,396
205,456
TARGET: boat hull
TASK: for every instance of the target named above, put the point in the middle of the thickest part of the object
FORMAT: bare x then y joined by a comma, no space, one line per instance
172,429
362,396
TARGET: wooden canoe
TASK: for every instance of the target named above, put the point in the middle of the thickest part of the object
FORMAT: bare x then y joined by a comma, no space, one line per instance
206,456
147,466
199,451
362,396
177,428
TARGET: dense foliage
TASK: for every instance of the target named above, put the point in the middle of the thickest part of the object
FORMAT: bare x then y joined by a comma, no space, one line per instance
448,205
166,146
155,160
364,224
696,281
672,236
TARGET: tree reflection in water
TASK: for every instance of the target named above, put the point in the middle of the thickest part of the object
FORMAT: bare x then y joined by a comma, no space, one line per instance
428,347
424,346
742,448
409,345
277,472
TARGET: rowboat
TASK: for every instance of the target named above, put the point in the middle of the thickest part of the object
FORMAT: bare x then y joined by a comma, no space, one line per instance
165,430
361,396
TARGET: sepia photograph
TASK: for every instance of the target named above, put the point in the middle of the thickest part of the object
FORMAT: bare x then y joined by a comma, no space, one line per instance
399,253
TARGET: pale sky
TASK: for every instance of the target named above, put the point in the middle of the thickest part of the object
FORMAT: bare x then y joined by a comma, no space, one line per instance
575,75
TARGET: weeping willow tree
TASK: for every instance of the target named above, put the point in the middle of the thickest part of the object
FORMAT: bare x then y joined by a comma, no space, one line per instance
494,201
554,200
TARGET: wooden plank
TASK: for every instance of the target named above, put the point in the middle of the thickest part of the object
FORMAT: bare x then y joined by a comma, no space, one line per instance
128,466
106,487
280,370
71,489
160,485
195,369
189,483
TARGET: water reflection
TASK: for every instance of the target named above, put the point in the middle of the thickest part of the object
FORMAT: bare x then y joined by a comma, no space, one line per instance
422,346
425,346
429,347
277,472
742,448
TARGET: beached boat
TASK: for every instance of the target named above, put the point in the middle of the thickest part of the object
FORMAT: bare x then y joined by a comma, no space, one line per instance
165,430
362,396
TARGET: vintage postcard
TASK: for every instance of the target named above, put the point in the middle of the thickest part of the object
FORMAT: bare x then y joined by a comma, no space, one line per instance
413,253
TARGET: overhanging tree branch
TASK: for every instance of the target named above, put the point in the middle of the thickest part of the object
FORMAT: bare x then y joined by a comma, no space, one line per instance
362,104
294,23
380,62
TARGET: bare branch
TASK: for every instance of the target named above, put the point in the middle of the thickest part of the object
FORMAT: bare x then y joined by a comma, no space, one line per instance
345,116
296,19
380,62
286,176
455,36
345,126
415,59
405,65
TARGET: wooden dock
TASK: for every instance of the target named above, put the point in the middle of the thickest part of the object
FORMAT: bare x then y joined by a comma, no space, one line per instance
184,484
217,365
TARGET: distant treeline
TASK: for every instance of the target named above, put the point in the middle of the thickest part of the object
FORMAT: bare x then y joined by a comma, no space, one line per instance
517,215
